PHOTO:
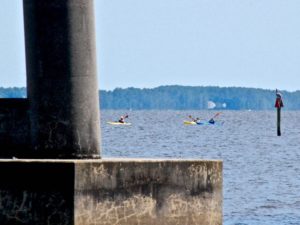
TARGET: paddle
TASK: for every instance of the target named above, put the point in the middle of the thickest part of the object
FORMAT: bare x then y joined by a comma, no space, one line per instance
212,119
217,114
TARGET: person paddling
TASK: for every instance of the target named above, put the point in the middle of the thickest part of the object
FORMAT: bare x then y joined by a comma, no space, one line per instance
122,118
212,120
194,119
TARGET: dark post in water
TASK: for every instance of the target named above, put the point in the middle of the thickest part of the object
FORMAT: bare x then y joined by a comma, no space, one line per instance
278,105
61,78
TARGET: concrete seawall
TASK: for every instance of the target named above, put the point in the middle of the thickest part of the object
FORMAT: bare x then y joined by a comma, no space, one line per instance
111,191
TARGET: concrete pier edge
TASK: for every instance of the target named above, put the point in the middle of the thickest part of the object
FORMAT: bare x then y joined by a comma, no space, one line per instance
111,191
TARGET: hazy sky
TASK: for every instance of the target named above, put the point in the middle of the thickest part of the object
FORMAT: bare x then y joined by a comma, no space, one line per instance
147,43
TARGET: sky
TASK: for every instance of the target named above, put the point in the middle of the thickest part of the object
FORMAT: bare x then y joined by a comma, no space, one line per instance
145,44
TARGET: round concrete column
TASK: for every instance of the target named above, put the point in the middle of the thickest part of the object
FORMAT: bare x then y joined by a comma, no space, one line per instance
61,78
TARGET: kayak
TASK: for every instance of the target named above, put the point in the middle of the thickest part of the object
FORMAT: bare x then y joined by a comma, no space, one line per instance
200,123
205,123
189,123
210,124
118,123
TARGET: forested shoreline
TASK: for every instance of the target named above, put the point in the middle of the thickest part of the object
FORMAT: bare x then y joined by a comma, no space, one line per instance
184,97
188,97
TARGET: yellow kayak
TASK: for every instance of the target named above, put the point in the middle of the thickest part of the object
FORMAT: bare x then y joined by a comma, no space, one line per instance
118,123
189,123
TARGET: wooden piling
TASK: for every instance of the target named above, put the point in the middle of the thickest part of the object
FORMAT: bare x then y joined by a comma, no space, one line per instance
278,121
278,105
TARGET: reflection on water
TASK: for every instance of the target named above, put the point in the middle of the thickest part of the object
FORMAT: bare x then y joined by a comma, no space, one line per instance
261,170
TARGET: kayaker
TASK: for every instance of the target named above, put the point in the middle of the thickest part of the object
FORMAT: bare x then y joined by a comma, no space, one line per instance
193,119
212,121
122,119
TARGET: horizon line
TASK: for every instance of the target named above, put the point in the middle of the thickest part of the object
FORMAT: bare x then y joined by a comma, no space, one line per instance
180,85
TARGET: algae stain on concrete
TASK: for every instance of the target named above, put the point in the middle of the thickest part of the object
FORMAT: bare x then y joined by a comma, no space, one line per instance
149,192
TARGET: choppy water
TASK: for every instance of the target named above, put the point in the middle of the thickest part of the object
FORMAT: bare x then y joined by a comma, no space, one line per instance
261,170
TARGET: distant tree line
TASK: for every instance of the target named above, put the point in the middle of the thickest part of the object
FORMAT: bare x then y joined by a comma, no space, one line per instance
184,97
187,97
13,92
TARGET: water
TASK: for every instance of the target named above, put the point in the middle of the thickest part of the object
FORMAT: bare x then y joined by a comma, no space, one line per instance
261,170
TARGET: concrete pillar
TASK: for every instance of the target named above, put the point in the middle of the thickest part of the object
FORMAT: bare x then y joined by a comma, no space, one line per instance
61,78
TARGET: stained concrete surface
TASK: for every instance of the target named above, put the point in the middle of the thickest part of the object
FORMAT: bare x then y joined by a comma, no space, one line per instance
112,191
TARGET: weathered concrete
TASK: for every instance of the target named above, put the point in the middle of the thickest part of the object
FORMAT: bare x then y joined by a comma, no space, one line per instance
61,78
14,127
106,192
